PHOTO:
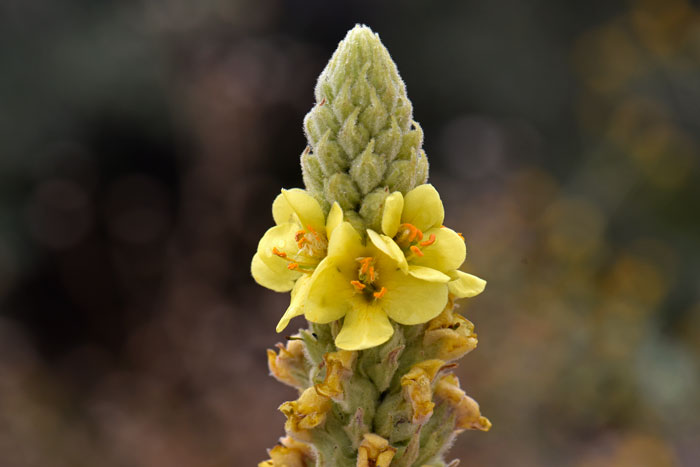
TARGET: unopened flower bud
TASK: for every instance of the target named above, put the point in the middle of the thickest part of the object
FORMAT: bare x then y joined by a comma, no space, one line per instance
362,129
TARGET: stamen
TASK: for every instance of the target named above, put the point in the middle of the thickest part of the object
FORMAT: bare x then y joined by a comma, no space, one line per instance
359,286
410,233
461,236
371,274
380,294
430,241
365,262
419,234
292,266
416,250
276,252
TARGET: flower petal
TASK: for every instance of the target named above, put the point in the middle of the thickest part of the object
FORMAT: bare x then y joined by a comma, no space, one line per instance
447,253
271,279
389,247
335,217
345,242
330,291
409,300
428,274
280,237
391,218
465,285
296,306
306,208
282,212
365,326
423,208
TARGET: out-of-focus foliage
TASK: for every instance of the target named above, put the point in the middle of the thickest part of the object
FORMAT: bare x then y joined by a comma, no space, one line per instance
143,141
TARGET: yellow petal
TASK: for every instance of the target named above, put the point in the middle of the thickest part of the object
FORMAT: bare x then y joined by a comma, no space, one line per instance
428,274
389,247
280,237
409,300
296,306
306,208
391,218
282,212
345,242
335,217
266,277
423,208
465,285
365,326
447,253
330,291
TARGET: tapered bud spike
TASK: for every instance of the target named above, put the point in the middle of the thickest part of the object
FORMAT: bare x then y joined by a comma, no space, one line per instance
363,141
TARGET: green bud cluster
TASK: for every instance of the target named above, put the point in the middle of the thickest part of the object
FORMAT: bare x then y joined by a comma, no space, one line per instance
363,143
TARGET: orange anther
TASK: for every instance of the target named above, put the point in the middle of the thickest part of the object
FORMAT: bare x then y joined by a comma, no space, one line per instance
292,266
416,250
461,236
430,241
310,229
276,252
413,232
323,101
371,273
380,294
299,235
365,262
359,286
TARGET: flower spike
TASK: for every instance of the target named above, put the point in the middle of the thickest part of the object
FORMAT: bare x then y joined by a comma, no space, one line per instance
368,262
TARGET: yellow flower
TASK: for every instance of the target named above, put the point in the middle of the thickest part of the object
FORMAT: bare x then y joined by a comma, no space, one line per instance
289,252
367,286
374,451
413,226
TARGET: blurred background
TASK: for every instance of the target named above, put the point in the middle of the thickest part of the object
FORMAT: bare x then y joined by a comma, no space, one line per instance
142,142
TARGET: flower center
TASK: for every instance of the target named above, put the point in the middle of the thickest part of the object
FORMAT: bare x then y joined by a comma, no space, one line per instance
312,249
311,243
410,239
366,278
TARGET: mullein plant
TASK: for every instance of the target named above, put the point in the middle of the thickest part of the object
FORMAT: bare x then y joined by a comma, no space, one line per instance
371,266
